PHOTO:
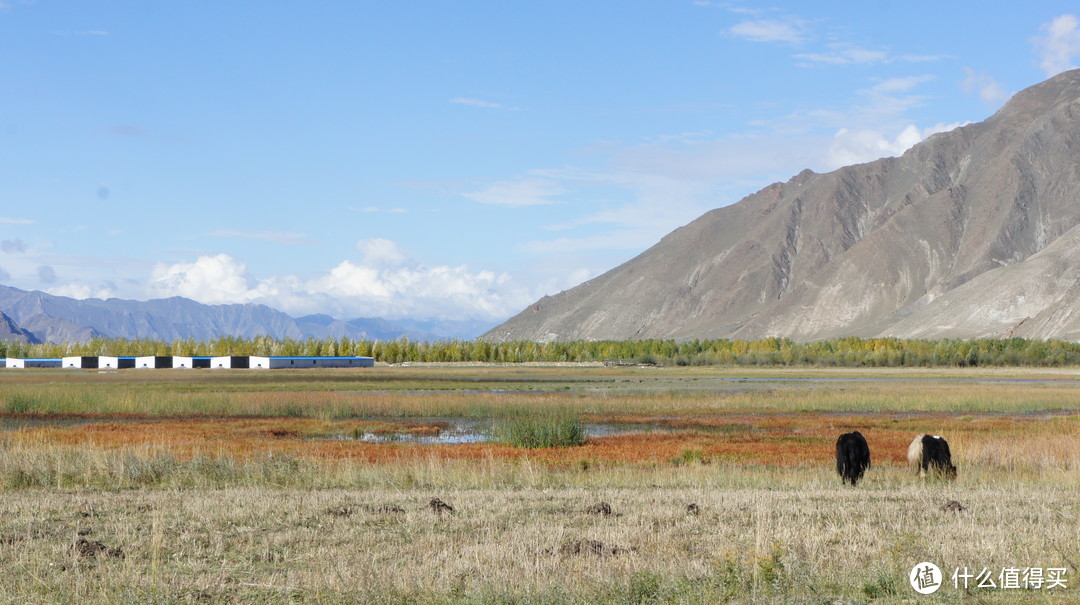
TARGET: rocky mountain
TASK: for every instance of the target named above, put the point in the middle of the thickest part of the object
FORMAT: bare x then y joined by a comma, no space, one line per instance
32,316
323,326
13,333
971,233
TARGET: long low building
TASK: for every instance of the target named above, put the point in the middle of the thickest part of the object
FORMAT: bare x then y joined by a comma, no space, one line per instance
277,363
105,362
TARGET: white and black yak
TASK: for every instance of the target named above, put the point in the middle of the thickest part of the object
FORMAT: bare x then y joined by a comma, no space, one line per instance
930,454
852,457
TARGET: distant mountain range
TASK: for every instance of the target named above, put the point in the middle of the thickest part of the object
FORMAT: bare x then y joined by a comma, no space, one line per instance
971,233
37,317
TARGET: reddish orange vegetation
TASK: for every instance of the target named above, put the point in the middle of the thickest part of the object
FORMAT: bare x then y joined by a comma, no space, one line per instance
780,439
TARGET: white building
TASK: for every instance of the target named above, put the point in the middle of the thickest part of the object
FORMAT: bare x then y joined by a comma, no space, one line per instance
80,362
152,362
108,363
183,362
229,361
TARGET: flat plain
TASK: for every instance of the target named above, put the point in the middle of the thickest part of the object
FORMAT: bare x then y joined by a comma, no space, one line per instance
692,485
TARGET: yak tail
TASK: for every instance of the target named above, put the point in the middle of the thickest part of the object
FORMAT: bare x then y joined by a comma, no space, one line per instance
915,455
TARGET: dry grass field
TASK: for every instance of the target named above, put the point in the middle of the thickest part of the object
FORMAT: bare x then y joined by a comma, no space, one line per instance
703,486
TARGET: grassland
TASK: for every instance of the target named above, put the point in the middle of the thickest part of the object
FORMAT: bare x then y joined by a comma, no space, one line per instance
235,486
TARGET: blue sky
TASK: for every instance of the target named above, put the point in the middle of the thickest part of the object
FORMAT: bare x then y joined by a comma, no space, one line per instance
452,160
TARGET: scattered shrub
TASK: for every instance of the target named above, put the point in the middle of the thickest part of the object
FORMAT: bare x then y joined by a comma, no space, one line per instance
687,457
541,429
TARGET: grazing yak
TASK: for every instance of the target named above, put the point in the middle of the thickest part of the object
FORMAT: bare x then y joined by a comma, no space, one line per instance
852,457
930,453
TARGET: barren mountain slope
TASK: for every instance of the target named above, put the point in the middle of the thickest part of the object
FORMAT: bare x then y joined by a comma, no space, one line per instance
865,250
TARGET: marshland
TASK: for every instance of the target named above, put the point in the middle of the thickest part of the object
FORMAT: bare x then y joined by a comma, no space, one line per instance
568,484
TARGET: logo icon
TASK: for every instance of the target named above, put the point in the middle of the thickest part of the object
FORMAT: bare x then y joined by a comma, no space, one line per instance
925,578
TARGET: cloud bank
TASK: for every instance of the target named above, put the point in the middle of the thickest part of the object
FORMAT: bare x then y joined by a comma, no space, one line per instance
384,283
1058,44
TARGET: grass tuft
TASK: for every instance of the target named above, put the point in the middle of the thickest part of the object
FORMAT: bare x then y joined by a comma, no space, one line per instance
541,429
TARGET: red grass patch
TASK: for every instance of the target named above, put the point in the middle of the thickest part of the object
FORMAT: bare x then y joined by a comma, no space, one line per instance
778,439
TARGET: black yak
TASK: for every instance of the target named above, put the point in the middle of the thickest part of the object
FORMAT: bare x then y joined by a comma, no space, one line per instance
852,457
930,453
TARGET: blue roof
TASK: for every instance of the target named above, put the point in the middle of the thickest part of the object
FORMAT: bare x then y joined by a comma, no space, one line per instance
291,357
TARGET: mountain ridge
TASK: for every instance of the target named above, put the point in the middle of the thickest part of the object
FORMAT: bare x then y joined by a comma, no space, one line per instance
37,317
884,248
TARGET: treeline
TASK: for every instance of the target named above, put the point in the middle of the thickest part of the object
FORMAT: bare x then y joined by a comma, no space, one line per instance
841,352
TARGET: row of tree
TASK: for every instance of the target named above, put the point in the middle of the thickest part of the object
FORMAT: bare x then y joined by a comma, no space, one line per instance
846,352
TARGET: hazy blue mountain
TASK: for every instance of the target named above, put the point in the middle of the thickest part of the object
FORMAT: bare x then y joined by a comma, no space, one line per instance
446,329
61,319
322,326
33,316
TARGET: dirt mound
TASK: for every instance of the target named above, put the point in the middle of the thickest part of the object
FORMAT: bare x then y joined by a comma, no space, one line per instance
952,506
590,547
88,548
340,511
600,508
439,507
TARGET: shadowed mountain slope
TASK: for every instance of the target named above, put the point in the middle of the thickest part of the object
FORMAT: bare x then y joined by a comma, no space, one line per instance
971,233
13,333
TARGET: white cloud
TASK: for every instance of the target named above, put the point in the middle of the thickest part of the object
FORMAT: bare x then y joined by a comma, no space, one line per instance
217,279
480,103
578,276
905,84
842,54
519,192
80,291
909,58
1058,44
989,90
419,291
86,32
652,189
383,284
860,146
789,31
15,221
610,240
278,237
348,280
381,252
374,209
